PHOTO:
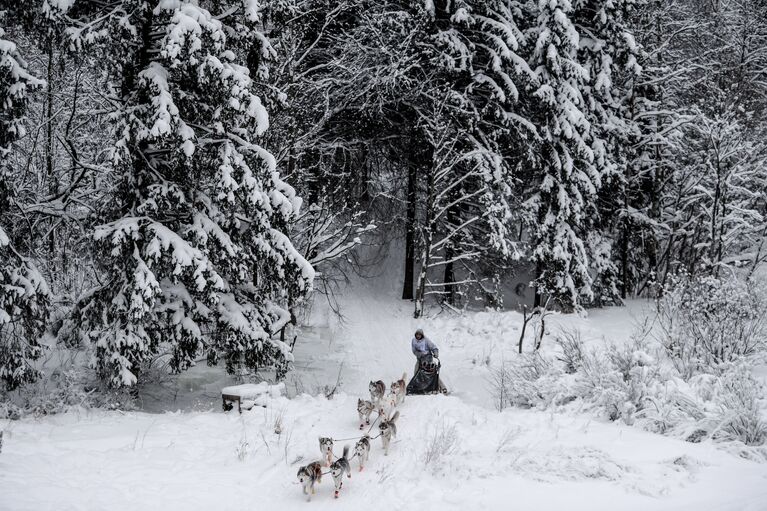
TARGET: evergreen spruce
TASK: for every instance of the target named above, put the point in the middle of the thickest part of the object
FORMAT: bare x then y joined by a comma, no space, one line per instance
24,295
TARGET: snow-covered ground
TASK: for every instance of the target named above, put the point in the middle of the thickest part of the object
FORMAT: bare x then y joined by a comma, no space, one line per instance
477,457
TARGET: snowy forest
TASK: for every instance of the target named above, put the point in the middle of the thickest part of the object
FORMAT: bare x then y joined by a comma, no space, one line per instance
188,185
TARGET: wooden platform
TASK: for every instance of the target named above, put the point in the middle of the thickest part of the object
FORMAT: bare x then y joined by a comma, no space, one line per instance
249,395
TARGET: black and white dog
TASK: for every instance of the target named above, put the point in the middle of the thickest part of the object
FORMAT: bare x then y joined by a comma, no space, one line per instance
339,468
308,476
388,429
362,450
326,449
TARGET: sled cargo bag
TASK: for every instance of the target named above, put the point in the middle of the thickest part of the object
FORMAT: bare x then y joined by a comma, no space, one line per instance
426,380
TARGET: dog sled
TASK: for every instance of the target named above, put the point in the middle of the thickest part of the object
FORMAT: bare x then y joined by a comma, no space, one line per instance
426,379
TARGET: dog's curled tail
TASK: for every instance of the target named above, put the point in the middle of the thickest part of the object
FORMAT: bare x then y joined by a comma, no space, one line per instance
346,452
404,376
394,417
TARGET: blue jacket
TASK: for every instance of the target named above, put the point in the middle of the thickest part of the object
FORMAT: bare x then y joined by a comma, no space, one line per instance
423,347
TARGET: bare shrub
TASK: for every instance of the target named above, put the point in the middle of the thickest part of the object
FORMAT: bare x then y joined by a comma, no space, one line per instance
442,442
242,450
571,343
506,438
330,390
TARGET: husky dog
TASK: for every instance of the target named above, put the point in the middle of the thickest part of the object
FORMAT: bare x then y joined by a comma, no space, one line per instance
387,405
364,409
377,390
339,468
398,389
362,450
326,448
308,476
388,429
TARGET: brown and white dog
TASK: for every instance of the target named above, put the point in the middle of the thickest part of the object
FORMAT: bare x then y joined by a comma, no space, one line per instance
339,468
377,390
308,476
326,448
388,428
398,388
364,409
362,450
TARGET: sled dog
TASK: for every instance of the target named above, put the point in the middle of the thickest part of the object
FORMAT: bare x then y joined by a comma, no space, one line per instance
377,390
326,448
339,468
398,389
362,450
308,476
388,429
388,405
364,409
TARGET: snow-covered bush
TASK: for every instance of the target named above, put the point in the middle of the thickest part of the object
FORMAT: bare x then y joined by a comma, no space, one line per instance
706,323
639,386
738,411
48,395
620,379
532,380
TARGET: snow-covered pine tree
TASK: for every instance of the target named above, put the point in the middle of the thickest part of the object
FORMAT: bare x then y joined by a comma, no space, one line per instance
193,248
609,52
570,159
469,200
24,296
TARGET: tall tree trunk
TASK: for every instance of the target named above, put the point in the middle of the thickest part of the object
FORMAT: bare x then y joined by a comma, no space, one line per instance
412,178
429,229
537,299
53,185
449,277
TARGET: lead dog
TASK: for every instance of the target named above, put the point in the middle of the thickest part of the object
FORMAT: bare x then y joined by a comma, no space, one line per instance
364,409
398,389
339,468
388,429
308,476
377,390
326,448
362,450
